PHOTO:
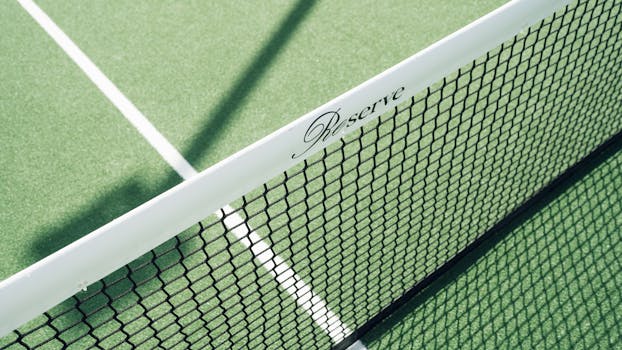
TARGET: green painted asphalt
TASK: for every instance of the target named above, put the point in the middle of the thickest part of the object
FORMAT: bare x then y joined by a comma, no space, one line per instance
551,282
214,78
70,162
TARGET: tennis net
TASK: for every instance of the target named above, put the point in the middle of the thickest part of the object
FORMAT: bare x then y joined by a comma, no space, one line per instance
383,187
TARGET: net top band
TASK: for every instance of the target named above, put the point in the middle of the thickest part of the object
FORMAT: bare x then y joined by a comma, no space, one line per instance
39,287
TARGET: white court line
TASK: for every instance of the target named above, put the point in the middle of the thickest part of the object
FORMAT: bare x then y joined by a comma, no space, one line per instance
358,345
123,104
276,266
287,278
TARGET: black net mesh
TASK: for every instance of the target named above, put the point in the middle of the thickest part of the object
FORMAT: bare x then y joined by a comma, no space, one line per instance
550,279
372,217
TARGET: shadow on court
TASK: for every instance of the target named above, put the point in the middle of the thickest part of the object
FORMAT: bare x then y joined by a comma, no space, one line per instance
222,114
178,295
78,324
132,193
127,196
546,280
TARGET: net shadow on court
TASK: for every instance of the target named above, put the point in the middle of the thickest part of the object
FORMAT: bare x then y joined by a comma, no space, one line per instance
547,279
374,216
91,318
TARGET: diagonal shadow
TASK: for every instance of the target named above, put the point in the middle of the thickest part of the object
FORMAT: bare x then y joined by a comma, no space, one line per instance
447,292
225,111
99,212
132,193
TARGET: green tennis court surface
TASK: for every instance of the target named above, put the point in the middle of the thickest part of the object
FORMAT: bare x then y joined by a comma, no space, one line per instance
217,77
314,255
211,77
70,163
551,280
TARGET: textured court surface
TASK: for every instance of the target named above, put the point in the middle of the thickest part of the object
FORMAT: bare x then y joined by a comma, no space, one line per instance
556,238
552,281
211,77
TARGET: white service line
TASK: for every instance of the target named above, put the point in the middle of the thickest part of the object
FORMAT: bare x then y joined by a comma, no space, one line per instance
287,278
123,104
358,345
276,266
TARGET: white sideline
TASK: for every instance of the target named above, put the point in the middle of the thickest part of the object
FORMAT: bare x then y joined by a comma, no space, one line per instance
287,278
276,266
44,284
123,104
358,345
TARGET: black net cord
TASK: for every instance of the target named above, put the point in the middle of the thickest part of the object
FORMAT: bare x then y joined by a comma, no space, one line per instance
367,221
540,199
